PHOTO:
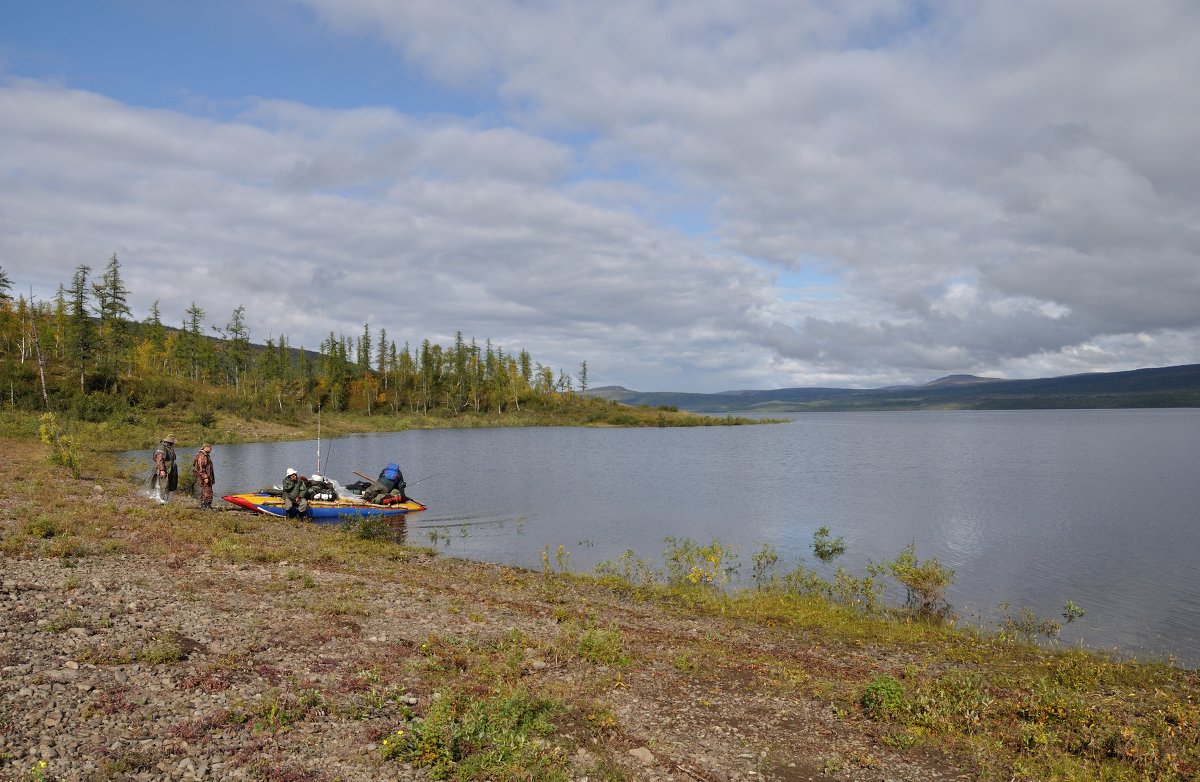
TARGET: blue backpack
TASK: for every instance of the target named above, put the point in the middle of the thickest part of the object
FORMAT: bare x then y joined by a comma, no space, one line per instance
392,472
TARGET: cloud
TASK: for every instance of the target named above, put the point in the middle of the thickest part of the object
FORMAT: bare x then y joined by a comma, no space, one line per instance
322,221
1042,153
995,187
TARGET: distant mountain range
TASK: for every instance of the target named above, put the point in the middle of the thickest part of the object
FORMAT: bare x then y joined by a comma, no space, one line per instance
1157,387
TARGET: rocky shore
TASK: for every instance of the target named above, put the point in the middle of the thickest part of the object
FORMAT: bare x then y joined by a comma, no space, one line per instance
143,643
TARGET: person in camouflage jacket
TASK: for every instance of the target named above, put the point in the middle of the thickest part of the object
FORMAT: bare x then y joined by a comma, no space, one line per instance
295,494
166,474
205,475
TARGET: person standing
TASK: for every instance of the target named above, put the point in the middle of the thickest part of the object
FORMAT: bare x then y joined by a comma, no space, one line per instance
295,494
166,473
205,475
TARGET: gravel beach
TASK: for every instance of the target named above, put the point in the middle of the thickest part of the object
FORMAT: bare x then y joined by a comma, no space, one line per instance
177,644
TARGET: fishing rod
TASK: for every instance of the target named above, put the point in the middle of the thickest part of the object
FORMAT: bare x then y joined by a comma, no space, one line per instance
328,448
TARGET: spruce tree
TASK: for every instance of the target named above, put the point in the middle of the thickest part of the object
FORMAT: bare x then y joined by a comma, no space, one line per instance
81,338
191,346
112,306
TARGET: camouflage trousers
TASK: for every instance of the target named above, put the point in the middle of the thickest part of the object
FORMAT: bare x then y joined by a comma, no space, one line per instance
206,493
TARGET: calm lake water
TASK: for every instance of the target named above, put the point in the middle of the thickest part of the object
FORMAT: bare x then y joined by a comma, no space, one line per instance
1034,508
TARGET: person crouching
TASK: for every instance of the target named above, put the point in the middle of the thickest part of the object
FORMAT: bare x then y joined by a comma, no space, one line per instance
295,494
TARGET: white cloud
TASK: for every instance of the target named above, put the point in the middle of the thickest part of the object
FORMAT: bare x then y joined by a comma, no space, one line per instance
997,187
456,230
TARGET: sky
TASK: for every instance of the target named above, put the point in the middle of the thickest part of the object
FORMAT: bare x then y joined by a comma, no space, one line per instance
689,195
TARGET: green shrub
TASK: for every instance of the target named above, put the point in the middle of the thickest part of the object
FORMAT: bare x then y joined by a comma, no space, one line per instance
1026,625
366,527
98,407
63,450
826,547
863,593
604,647
162,651
764,562
691,564
500,737
926,583
883,697
629,568
41,526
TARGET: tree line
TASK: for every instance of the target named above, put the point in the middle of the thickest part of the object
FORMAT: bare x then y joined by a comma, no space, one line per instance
83,352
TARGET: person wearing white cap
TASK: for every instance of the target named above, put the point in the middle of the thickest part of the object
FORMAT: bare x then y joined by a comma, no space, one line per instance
295,494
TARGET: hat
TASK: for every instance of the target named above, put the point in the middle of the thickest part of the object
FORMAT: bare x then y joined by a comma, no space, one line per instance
169,439
316,477
206,447
291,471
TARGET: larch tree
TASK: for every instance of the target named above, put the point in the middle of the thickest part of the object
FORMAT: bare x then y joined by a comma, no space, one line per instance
112,305
364,349
81,338
191,343
381,357
237,346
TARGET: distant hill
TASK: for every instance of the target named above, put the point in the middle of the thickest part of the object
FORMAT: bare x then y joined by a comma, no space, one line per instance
961,380
1177,386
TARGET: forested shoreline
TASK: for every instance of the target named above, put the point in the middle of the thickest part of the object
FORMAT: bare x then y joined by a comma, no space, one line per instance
83,357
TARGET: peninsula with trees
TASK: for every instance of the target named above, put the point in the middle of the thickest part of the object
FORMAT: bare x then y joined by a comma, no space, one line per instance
83,356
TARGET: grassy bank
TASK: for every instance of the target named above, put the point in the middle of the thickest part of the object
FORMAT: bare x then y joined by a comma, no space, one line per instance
197,419
539,675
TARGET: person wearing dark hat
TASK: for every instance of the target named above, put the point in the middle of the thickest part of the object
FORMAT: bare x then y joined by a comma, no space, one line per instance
166,473
205,475
295,494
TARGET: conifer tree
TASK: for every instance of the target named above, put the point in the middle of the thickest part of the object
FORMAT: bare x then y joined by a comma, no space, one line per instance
191,343
364,349
112,306
61,322
155,331
237,346
381,356
406,377
80,332
526,368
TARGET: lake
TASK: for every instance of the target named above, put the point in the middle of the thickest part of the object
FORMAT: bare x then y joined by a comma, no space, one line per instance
1032,508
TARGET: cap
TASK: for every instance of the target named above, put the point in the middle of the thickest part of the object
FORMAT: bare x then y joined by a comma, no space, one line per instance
206,447
291,471
169,439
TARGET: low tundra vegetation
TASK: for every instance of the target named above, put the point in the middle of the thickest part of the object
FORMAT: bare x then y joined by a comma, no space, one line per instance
1020,710
881,647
